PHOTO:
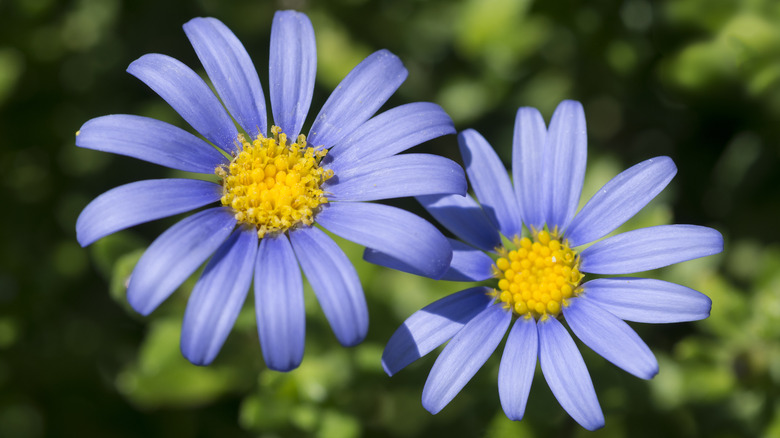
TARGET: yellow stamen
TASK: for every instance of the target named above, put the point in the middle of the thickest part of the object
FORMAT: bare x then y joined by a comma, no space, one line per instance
537,277
273,185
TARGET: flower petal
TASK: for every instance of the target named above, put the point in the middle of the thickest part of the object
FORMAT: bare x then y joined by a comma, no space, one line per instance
567,376
379,258
527,161
335,282
396,177
281,317
432,326
391,132
463,217
647,300
395,232
463,356
231,72
566,154
292,68
142,201
468,264
650,248
218,297
620,199
150,140
189,95
490,182
516,371
610,337
175,255
365,89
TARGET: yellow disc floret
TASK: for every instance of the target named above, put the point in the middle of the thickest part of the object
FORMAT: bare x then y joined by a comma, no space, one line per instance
537,277
273,185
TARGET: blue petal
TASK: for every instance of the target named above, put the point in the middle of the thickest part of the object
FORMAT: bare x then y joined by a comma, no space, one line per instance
365,89
516,371
566,154
463,217
650,248
231,72
139,202
281,317
218,297
463,356
610,337
175,255
468,264
189,95
527,161
382,259
395,232
646,300
150,140
292,68
391,132
396,177
335,282
432,326
567,376
620,199
490,182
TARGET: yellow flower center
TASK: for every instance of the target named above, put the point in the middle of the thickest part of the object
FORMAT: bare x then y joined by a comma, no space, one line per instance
537,277
274,185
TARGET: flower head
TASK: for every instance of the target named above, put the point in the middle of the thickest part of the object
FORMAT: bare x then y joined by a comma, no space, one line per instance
540,275
274,185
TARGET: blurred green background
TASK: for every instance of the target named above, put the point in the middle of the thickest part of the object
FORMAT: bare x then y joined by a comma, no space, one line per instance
693,79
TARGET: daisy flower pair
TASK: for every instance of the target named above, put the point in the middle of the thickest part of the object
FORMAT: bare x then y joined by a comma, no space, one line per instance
257,224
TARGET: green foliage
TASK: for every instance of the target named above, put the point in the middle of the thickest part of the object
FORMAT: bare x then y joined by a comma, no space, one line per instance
162,377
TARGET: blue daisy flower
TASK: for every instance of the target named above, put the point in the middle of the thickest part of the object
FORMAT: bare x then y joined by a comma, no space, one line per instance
275,184
540,276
